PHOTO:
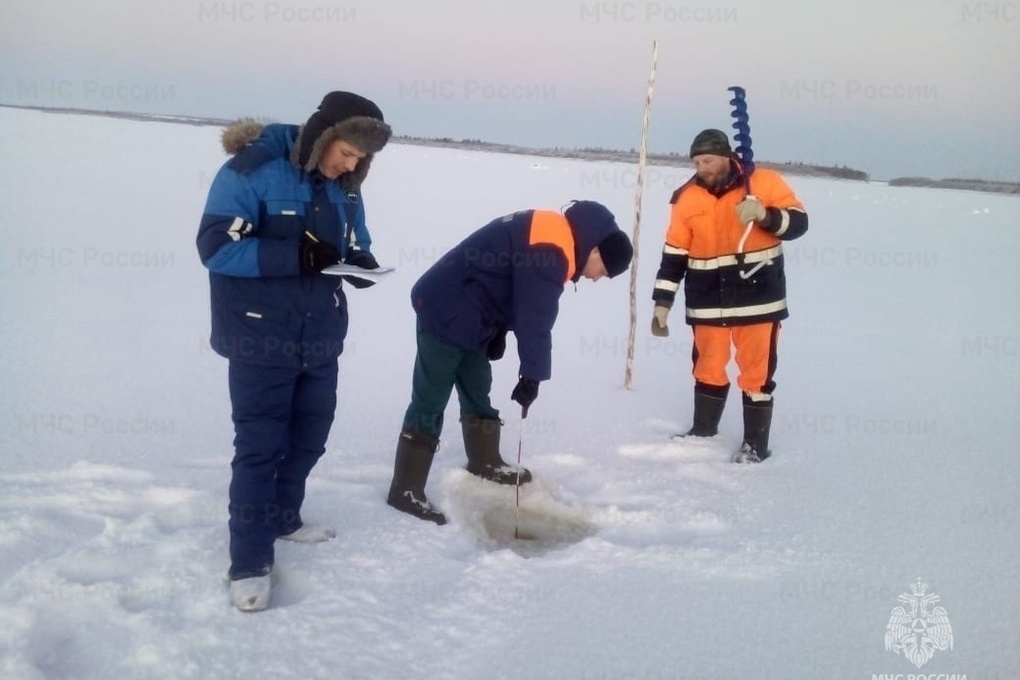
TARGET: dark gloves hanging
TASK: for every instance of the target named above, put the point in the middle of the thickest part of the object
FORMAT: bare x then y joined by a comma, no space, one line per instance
496,346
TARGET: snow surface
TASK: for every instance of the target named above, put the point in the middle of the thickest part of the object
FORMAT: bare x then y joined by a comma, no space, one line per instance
895,442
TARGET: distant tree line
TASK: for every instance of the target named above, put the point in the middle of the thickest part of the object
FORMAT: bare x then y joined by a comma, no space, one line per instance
593,153
602,153
958,183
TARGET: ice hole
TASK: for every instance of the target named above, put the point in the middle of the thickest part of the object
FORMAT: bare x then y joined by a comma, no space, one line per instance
538,530
545,520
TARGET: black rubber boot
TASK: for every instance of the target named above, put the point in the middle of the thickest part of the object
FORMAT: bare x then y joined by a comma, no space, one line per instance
709,402
411,466
481,443
757,424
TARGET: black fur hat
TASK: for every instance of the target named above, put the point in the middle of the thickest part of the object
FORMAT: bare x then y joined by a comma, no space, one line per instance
348,117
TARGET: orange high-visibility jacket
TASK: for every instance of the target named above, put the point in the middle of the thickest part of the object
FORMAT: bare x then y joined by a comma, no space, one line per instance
729,285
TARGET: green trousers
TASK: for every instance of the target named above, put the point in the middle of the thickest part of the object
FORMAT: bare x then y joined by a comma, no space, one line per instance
438,368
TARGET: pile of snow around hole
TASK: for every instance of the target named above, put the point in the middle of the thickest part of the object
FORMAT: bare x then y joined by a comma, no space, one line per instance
489,512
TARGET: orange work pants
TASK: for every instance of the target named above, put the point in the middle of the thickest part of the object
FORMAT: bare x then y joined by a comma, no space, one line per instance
756,355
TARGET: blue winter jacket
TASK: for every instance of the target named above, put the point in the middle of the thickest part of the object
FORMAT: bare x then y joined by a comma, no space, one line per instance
264,311
506,276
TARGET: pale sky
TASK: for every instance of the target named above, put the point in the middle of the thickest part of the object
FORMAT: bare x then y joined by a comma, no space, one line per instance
891,87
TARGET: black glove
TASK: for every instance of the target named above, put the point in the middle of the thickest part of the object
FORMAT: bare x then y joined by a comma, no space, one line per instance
496,347
361,258
525,394
314,256
365,260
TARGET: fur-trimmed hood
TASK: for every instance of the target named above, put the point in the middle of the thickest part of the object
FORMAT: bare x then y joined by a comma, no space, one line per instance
252,143
239,134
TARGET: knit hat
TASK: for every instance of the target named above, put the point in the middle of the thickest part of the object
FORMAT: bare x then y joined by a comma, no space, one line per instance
616,252
345,116
711,141
594,225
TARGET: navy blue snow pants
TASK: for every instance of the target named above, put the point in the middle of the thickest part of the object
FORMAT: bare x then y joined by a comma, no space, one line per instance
282,418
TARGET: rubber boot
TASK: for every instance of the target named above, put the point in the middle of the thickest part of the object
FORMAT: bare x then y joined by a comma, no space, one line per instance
709,402
757,424
411,466
481,443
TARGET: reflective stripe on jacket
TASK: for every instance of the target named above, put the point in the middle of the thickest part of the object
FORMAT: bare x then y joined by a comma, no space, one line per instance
728,285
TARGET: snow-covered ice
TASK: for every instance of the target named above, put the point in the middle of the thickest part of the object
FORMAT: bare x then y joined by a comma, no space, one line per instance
895,440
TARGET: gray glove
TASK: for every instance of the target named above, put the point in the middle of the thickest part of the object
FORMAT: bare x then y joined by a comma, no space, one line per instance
659,327
751,210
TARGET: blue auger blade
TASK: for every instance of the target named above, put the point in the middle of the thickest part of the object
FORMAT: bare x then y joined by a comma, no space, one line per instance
740,124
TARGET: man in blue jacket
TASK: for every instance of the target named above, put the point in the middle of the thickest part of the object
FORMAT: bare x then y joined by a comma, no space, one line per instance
507,276
287,205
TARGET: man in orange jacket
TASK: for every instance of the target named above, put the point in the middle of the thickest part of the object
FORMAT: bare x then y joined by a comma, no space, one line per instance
725,234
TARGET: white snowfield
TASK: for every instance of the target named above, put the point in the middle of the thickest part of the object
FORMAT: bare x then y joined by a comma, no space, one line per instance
895,442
